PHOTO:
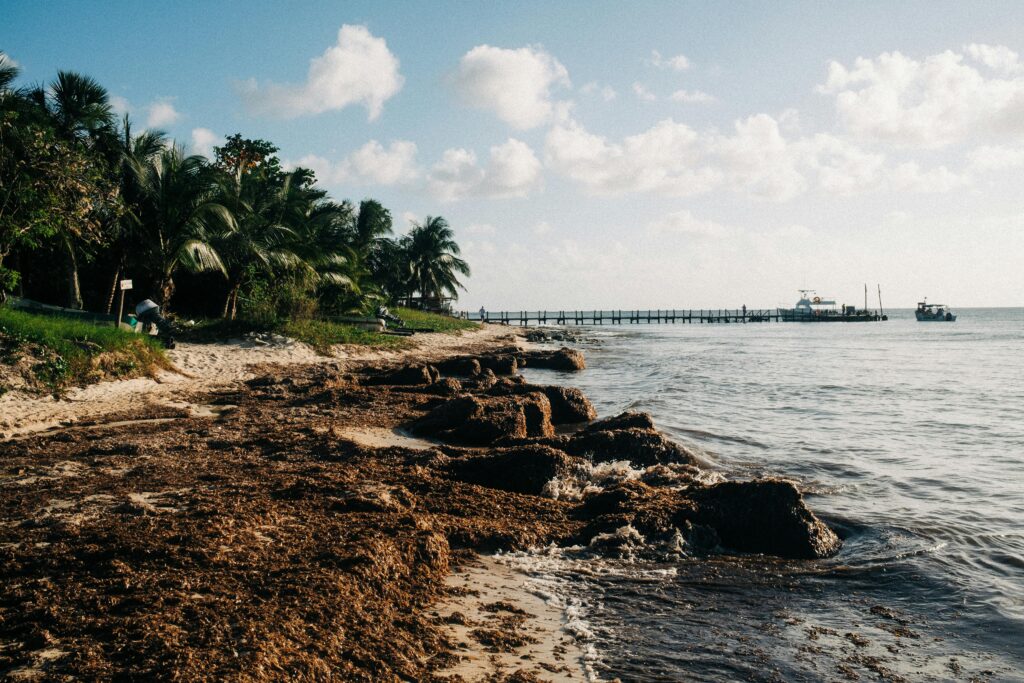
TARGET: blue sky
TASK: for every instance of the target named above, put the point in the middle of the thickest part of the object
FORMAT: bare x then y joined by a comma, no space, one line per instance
608,154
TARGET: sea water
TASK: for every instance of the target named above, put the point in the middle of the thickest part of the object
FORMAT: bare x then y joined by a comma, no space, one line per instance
906,437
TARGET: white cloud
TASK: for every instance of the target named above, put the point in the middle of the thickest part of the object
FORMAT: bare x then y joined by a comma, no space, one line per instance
161,113
692,97
513,170
119,105
910,177
642,93
514,84
677,63
995,57
995,158
928,103
203,140
755,159
371,164
481,229
359,69
685,223
409,217
607,92
542,228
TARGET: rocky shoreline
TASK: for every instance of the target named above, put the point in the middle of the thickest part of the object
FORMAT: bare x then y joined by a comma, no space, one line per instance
263,542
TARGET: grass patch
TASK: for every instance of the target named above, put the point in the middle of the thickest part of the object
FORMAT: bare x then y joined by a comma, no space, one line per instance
434,322
320,334
54,353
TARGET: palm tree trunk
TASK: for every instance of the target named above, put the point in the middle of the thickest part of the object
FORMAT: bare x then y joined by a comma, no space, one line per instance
113,290
234,302
74,292
166,290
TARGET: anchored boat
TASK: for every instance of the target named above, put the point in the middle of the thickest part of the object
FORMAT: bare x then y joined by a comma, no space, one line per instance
814,309
927,312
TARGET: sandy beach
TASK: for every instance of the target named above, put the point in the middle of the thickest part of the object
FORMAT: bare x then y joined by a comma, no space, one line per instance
266,514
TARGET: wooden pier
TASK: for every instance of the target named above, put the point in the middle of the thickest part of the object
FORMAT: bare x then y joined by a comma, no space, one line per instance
620,317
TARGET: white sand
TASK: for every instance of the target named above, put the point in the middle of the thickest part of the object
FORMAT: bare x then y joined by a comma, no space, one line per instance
555,657
205,367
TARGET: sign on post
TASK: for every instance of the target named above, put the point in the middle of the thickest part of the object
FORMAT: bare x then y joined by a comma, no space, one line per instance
125,285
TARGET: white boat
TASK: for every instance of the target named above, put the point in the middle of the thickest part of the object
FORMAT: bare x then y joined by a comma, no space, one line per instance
927,312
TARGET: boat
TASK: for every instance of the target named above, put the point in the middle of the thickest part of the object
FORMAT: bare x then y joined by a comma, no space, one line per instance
927,312
814,309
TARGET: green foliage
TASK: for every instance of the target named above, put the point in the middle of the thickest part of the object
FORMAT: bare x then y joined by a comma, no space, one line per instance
73,352
322,334
76,184
435,322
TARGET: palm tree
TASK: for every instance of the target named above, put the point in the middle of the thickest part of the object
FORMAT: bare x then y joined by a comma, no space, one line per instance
267,208
434,260
179,216
124,154
79,112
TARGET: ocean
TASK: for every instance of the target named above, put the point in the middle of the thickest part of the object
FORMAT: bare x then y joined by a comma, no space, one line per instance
906,437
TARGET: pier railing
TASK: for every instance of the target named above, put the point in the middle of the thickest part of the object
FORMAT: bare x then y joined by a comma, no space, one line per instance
626,317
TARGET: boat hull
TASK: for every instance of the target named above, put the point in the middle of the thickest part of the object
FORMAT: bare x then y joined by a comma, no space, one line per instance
926,318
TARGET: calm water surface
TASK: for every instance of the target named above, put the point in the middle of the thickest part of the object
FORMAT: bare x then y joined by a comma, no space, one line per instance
908,439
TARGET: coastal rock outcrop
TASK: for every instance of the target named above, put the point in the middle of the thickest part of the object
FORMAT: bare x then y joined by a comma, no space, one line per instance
459,366
525,469
766,516
568,404
407,375
564,359
481,421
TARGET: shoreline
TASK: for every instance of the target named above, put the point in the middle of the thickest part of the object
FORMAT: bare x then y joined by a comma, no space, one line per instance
231,540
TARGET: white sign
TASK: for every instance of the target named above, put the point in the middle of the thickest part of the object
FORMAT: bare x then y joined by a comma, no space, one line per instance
126,284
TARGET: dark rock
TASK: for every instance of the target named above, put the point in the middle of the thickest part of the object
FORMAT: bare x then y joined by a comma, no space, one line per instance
499,364
565,359
641,447
461,366
482,382
409,375
568,405
527,469
766,516
536,336
446,386
481,421
627,420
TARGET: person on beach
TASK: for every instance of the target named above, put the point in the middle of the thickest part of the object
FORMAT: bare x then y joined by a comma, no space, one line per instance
384,314
148,313
483,313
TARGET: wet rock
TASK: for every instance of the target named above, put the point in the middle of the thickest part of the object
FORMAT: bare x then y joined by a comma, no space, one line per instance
461,366
499,364
641,447
482,382
766,516
483,420
568,404
564,359
409,375
525,469
627,420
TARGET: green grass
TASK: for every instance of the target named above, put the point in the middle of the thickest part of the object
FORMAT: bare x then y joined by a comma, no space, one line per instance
434,322
319,334
58,352
322,335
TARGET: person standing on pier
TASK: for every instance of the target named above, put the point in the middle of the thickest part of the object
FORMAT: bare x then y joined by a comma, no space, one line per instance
483,313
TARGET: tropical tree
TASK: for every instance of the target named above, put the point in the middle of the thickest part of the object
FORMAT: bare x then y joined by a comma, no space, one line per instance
179,216
77,108
52,187
434,260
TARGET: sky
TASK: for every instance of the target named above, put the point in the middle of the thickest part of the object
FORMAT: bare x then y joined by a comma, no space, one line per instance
611,155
